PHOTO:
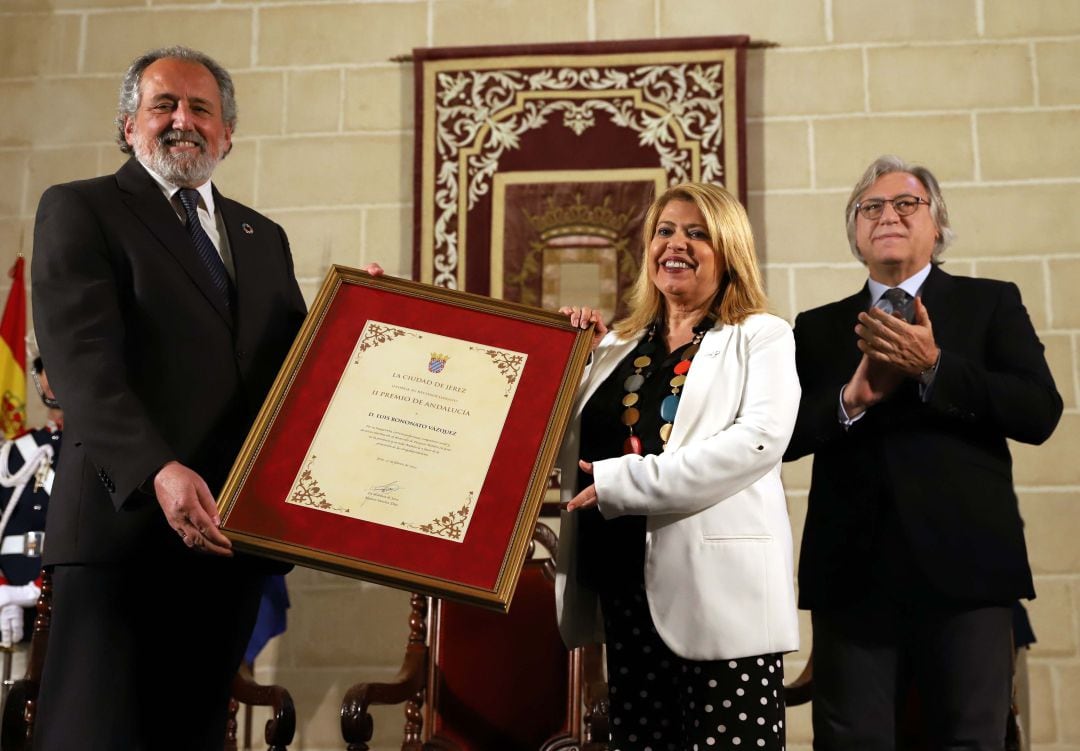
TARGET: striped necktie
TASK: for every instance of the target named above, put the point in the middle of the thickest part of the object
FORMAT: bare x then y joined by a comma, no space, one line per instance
204,246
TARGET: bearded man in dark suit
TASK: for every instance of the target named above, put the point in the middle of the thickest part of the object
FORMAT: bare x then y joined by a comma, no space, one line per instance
164,310
913,551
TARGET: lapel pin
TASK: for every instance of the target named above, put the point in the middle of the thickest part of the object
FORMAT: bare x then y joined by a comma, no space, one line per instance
248,229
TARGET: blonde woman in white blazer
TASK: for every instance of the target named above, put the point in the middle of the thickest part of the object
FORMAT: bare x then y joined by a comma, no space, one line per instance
675,542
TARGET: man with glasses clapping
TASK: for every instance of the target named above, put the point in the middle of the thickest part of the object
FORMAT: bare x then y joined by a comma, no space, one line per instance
913,550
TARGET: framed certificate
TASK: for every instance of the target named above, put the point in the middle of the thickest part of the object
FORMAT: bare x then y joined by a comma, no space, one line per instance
408,438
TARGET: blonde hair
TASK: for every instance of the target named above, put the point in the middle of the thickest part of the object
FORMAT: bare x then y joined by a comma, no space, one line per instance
741,292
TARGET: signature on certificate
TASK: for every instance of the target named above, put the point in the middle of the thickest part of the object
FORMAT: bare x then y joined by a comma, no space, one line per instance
386,489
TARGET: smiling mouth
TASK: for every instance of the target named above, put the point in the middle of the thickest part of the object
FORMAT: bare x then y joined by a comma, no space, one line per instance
673,264
182,140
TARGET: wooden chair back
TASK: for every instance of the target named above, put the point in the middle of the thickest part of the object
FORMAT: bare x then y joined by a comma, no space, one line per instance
476,680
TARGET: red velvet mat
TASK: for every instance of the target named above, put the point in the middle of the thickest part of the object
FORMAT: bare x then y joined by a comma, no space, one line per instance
502,515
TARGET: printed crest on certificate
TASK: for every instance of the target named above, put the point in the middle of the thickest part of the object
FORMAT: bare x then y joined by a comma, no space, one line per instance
416,406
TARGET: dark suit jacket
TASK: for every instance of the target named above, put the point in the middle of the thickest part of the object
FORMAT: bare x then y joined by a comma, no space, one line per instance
143,355
943,464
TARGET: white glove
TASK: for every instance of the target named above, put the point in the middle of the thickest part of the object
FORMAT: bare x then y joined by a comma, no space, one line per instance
25,595
11,625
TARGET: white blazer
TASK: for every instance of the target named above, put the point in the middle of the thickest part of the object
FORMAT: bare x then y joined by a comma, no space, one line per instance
719,573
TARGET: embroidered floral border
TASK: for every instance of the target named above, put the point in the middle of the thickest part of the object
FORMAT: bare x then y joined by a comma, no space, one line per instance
683,110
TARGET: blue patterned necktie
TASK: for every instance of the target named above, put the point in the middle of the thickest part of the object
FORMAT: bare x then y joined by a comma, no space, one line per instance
896,301
204,246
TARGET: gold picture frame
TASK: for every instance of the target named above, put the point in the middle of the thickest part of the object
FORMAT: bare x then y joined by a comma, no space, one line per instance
355,361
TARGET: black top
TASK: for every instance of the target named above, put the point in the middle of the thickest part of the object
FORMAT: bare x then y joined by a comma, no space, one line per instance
611,552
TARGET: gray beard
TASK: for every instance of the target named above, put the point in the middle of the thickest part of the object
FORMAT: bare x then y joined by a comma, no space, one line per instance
179,169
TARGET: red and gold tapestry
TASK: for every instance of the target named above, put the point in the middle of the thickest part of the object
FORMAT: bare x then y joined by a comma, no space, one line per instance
535,163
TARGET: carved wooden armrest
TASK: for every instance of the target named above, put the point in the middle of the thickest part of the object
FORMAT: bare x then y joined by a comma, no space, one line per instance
356,723
20,709
14,729
281,727
595,696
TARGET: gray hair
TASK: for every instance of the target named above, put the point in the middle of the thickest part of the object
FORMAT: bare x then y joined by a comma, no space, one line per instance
130,93
885,165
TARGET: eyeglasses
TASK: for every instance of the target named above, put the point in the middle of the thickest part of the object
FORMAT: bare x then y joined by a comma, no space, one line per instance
903,205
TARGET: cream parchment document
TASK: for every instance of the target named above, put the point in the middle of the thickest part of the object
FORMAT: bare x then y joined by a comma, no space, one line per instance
409,434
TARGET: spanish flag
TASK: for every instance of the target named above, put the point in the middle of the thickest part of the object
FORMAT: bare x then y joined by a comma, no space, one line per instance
13,356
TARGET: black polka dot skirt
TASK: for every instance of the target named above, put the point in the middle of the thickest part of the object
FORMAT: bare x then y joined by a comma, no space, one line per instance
662,702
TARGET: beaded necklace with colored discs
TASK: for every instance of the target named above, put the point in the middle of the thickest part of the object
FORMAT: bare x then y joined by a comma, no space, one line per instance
670,404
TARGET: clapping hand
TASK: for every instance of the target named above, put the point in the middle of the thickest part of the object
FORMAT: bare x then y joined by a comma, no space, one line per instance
892,350
889,339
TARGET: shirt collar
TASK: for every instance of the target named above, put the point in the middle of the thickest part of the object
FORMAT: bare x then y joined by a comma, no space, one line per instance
206,190
911,285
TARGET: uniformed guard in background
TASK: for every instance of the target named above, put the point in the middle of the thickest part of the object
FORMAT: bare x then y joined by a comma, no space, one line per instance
27,466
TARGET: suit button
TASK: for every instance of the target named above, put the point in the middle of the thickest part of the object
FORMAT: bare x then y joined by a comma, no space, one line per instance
240,354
